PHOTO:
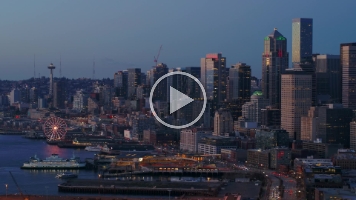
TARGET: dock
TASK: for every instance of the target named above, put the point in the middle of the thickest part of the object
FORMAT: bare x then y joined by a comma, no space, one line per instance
156,188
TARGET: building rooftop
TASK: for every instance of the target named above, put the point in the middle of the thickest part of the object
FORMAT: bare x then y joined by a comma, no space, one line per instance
337,191
258,93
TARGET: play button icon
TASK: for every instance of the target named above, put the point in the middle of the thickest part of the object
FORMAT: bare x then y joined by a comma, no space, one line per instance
178,100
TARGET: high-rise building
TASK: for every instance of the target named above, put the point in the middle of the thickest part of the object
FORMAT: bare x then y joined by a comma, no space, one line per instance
59,93
4,100
42,103
274,63
193,89
25,94
223,122
213,78
15,96
296,98
302,39
348,65
309,125
251,110
328,79
353,135
134,80
160,92
334,124
80,100
177,81
120,83
33,95
271,118
189,138
239,82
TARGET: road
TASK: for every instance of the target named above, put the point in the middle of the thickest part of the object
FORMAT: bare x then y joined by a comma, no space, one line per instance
289,184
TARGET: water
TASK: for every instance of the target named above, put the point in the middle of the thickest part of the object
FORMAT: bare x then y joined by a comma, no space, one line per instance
15,150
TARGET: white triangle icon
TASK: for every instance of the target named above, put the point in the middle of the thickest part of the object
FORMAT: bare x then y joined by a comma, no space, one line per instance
177,100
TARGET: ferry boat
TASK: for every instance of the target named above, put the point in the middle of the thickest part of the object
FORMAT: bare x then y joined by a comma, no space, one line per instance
65,175
93,148
54,162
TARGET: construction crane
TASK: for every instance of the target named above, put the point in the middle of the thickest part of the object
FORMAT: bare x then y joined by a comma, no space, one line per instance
18,187
156,57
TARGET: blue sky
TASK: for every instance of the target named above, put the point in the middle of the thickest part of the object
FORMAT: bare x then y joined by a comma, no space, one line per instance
127,33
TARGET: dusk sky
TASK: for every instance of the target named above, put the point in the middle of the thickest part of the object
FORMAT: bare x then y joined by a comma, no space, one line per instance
123,34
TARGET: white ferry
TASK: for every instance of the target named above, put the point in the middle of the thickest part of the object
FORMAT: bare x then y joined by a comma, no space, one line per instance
93,148
54,162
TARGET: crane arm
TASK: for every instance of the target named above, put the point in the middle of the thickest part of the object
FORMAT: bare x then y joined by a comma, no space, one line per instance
156,57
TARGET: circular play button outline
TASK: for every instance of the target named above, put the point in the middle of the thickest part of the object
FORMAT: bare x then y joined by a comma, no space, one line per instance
170,125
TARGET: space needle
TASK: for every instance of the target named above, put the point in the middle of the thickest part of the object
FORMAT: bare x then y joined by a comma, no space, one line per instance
51,67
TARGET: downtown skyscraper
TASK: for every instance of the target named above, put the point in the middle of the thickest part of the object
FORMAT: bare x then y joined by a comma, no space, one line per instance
133,81
302,40
274,62
348,65
213,79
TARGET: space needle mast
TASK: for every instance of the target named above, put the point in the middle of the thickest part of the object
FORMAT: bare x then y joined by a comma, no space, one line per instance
51,67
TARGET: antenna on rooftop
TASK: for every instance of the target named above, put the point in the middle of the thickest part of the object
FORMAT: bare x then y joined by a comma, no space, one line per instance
93,68
60,66
34,66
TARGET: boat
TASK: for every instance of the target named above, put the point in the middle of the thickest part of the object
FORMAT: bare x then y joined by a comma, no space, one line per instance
54,162
65,175
93,148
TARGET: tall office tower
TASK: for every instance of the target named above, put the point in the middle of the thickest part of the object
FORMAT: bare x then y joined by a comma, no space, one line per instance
213,79
120,83
239,82
334,124
105,95
80,100
348,65
296,98
160,92
134,80
149,77
193,89
271,118
143,78
51,67
353,135
238,88
25,94
274,63
176,81
223,122
59,94
328,79
33,95
251,110
302,40
309,125
15,96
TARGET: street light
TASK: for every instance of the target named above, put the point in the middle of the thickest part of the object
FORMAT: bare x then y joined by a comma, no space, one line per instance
6,189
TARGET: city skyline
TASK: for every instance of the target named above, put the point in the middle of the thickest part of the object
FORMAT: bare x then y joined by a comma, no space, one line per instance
119,38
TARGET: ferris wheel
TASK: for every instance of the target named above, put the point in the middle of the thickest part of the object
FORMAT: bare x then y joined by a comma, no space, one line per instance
55,128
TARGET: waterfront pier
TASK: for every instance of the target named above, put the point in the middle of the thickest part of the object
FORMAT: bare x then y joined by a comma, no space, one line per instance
141,187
